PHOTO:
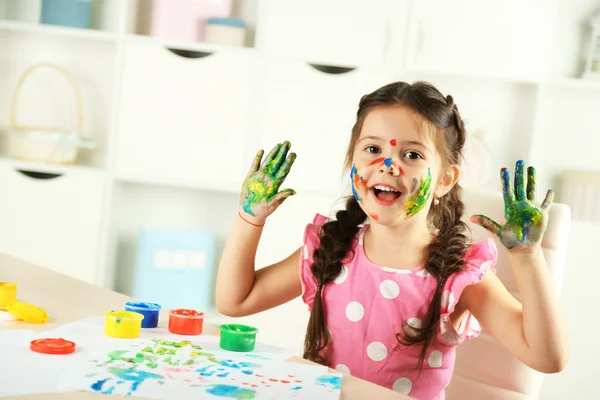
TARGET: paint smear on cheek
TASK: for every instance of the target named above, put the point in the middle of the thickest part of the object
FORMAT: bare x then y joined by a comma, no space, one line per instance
356,181
417,200
373,216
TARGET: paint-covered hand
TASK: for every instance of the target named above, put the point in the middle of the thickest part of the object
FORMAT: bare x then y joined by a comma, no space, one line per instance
260,191
525,221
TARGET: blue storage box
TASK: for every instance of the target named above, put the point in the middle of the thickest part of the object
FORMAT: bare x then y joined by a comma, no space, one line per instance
175,268
73,13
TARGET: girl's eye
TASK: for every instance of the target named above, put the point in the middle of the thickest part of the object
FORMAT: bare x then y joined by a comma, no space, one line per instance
373,149
412,155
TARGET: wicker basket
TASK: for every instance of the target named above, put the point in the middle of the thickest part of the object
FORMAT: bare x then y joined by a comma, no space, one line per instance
42,143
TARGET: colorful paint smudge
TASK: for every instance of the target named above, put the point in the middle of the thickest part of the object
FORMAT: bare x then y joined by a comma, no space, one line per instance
525,221
330,381
263,182
146,368
123,375
356,180
419,196
393,142
391,165
232,392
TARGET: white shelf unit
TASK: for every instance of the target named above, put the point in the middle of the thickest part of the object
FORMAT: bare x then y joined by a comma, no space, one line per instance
176,132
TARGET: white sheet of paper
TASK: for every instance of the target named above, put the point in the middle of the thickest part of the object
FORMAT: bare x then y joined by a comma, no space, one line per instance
36,373
175,370
24,371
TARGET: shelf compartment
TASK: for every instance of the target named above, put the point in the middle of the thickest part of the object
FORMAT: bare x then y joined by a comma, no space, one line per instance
178,122
54,216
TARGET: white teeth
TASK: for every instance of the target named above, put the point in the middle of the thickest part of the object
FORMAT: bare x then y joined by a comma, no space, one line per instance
384,188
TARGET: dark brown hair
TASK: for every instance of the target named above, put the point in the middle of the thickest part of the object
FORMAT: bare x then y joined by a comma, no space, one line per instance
445,254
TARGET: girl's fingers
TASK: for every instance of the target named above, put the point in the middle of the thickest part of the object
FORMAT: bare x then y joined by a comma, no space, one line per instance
507,192
486,223
280,198
520,180
285,167
256,162
273,166
548,199
270,156
531,184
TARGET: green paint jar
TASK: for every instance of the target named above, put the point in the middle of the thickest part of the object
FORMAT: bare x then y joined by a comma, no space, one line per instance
236,337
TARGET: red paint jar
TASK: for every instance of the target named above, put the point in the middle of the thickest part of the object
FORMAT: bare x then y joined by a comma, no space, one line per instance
185,322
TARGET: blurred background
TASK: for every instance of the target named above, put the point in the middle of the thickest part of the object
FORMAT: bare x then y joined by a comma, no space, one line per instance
127,127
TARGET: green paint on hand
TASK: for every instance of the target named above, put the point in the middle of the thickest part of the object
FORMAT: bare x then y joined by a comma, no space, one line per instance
262,185
525,221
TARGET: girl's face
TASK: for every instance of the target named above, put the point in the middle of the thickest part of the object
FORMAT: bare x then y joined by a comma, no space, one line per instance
395,166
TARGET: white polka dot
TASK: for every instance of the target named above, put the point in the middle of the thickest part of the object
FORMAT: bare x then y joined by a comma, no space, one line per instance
424,273
355,311
411,325
450,299
445,295
435,359
414,322
376,351
389,289
342,275
402,385
305,252
343,369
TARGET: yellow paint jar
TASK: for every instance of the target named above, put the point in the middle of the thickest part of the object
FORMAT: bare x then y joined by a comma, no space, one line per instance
123,324
8,293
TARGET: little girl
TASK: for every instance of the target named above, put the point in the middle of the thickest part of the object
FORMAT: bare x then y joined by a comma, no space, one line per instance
392,283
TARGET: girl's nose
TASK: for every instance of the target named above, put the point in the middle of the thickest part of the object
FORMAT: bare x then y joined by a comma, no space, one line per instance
388,166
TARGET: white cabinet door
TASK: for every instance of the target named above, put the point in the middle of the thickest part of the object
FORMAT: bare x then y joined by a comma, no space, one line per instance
52,222
184,120
508,39
333,32
315,111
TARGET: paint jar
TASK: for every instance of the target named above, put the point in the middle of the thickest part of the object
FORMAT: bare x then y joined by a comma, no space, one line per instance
185,322
123,324
236,337
8,293
150,311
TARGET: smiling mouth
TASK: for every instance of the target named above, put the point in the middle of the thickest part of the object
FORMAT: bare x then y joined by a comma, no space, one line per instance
386,193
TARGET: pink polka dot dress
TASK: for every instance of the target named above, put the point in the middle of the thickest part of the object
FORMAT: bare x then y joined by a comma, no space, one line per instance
367,304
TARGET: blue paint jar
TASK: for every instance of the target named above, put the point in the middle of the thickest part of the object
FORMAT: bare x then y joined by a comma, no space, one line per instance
150,311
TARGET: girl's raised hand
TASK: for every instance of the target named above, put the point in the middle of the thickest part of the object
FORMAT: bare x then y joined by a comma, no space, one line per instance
525,222
260,190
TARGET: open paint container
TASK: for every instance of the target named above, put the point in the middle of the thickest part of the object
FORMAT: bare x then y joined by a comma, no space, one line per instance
236,337
183,321
150,311
123,324
8,293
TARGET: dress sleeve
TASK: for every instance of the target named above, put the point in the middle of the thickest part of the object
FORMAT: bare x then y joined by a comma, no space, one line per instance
311,242
480,258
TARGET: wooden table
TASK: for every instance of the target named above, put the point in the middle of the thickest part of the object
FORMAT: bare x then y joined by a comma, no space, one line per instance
68,300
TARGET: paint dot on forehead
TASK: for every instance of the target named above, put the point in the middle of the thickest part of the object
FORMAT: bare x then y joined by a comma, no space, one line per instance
393,142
